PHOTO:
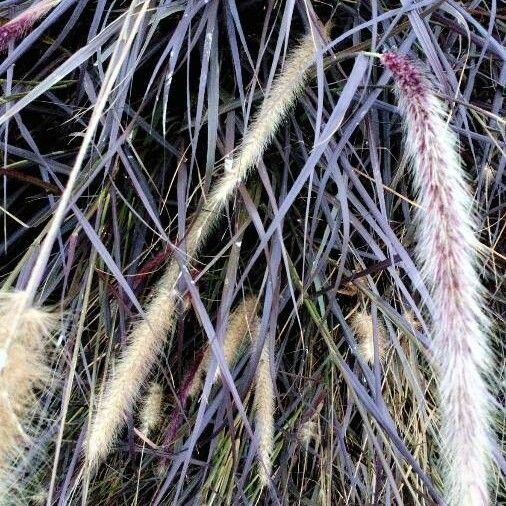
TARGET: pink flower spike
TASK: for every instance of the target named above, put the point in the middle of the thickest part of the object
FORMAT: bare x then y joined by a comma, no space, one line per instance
447,253
18,26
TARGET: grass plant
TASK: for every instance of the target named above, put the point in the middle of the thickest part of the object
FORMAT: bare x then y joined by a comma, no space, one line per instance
164,160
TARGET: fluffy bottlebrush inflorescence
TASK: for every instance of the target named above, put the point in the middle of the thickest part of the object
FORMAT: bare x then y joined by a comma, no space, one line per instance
264,415
148,336
18,26
23,368
447,251
146,339
151,412
362,324
285,89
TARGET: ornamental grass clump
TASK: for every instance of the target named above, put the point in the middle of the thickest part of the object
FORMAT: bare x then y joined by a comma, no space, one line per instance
447,251
164,160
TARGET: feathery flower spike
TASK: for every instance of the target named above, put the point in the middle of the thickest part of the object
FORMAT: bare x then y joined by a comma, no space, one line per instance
264,414
147,337
447,251
151,412
246,323
23,334
242,331
362,324
19,25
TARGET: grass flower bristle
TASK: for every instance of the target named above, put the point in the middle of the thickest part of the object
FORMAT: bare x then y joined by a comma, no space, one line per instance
151,412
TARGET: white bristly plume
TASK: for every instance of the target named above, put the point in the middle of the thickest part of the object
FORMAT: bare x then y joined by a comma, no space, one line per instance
24,334
447,252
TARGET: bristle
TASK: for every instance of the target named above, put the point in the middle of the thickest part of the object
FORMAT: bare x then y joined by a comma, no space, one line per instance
18,26
148,336
23,368
197,381
447,252
490,173
309,428
39,498
363,327
151,412
307,431
413,322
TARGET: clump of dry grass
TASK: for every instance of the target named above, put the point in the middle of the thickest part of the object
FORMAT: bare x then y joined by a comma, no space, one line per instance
148,336
362,324
447,250
23,368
